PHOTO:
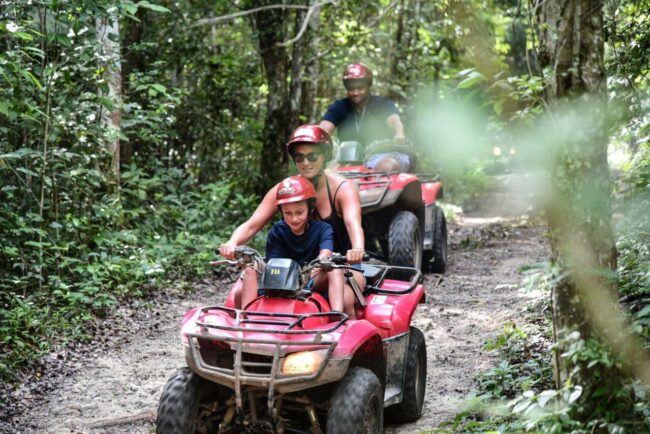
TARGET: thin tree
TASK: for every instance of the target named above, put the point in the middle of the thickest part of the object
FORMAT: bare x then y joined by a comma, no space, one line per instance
108,35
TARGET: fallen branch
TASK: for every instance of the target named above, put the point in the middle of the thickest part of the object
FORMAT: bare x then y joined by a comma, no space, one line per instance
148,415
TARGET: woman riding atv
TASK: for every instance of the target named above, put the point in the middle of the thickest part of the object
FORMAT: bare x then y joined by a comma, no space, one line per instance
337,203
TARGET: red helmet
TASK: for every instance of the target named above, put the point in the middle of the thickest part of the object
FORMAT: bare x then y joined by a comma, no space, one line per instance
310,135
294,189
357,71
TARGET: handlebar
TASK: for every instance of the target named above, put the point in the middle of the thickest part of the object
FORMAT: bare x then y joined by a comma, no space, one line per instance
245,255
337,260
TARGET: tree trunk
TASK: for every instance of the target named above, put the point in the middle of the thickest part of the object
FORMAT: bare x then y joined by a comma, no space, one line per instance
133,61
108,34
270,27
297,60
311,72
582,242
398,53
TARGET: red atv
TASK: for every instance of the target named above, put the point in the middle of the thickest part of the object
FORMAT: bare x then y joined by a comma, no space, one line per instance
287,363
402,223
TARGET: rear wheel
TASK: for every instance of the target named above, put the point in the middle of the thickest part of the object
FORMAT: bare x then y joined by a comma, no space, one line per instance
436,259
357,405
405,240
415,378
187,403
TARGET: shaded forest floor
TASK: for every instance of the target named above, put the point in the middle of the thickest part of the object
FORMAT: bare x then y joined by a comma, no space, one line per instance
113,384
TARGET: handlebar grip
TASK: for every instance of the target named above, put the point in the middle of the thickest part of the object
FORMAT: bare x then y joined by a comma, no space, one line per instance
339,258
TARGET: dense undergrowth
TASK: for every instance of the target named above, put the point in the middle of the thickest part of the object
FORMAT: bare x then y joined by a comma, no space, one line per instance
156,231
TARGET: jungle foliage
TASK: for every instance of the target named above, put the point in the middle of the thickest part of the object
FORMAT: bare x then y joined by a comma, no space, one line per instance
205,98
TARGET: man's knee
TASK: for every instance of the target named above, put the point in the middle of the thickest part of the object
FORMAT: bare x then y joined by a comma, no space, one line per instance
388,164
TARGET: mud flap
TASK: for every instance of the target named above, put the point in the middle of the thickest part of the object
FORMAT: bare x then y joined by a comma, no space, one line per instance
395,349
355,288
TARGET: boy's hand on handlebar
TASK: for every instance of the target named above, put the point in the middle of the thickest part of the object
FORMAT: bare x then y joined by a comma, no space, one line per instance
354,256
227,250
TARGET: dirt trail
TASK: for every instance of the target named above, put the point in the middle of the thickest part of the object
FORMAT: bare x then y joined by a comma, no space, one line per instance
116,390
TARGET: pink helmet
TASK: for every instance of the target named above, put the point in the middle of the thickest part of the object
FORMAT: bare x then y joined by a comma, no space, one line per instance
357,71
294,189
310,135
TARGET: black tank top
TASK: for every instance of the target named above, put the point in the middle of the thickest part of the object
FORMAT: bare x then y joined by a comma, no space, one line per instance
341,238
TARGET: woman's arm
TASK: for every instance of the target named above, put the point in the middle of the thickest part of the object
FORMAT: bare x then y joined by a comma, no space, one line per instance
247,230
350,205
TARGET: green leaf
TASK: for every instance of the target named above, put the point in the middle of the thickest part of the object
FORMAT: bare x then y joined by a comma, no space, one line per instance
63,40
29,76
24,36
36,244
575,394
159,87
4,108
546,396
643,312
145,4
472,79
498,107
18,154
26,171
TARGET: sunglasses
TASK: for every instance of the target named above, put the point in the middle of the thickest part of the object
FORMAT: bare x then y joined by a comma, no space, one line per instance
311,157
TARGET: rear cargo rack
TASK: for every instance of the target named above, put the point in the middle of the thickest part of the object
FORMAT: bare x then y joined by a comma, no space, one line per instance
427,177
382,183
416,277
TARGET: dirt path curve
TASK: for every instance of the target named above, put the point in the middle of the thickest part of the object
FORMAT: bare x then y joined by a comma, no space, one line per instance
113,386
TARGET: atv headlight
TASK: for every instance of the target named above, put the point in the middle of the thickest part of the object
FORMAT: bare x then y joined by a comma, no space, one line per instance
304,362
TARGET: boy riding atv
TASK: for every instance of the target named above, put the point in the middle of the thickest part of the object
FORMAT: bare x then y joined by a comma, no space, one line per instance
300,238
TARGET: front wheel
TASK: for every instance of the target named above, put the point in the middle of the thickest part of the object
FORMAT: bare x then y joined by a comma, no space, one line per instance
357,405
181,402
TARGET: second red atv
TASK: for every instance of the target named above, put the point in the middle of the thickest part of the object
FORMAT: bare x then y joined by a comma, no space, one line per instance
287,363
402,221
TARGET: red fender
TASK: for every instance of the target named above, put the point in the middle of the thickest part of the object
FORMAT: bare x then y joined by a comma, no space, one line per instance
430,192
236,287
392,314
401,181
357,333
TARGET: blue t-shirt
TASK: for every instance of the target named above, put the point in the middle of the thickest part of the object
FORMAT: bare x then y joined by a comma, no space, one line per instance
282,243
364,127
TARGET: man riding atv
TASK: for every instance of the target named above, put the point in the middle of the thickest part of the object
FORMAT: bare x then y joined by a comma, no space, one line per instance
367,119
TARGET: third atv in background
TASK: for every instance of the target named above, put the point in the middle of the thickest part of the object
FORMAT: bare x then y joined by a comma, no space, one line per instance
402,222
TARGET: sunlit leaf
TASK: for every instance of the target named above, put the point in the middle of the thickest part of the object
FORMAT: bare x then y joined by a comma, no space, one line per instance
151,6
472,79
575,394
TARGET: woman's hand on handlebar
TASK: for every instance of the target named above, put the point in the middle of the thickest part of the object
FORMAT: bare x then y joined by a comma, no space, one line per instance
355,256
